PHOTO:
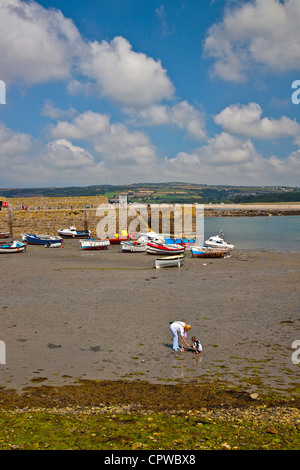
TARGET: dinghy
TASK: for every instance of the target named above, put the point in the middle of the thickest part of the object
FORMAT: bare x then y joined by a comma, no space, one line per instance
169,261
12,247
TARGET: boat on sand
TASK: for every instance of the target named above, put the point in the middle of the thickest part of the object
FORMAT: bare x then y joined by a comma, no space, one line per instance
209,252
12,247
164,249
92,244
71,232
33,239
169,261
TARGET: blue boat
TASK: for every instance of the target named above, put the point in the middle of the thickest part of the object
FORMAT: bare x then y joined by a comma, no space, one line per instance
209,252
33,239
186,242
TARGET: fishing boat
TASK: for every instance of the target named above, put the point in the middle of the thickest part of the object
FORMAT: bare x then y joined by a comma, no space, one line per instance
164,249
210,252
92,244
12,247
4,234
33,239
133,247
218,241
71,232
169,261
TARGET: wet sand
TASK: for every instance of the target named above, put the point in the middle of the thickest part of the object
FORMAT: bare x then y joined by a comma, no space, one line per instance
67,314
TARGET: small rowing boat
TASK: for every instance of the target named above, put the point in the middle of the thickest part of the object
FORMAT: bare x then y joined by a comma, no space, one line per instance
169,261
133,247
12,247
33,239
92,244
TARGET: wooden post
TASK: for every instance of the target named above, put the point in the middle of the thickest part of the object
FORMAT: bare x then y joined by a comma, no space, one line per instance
85,220
10,225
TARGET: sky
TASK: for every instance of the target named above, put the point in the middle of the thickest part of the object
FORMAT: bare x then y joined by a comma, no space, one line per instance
98,92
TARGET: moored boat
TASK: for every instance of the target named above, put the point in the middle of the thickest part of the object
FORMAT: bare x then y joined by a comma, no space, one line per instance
209,252
4,234
169,261
218,241
71,232
33,239
133,247
12,247
92,244
164,249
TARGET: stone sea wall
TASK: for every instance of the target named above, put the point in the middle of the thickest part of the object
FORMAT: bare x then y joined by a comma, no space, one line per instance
47,215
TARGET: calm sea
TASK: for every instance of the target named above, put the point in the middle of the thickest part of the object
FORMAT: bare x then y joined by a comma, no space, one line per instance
269,233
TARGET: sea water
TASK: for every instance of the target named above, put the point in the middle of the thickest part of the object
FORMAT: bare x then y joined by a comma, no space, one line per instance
280,233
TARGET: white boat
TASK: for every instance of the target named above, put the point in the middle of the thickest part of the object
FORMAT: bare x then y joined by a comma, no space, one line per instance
71,232
92,244
164,249
53,245
218,241
12,247
169,261
150,237
133,247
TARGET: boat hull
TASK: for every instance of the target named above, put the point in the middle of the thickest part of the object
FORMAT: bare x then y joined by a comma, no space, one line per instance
32,239
169,261
79,234
133,247
12,247
157,249
90,244
209,252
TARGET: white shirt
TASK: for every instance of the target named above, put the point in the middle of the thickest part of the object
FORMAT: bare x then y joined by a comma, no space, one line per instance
179,327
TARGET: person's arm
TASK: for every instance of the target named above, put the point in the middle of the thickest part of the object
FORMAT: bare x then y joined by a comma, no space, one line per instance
188,345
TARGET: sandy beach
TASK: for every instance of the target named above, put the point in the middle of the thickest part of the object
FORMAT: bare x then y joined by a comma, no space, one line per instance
104,315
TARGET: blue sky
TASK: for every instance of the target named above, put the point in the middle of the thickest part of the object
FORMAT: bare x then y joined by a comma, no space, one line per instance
129,91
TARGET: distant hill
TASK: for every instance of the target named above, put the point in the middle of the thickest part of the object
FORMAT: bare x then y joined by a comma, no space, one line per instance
171,192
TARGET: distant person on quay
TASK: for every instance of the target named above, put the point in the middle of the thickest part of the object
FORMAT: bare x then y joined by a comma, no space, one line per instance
179,329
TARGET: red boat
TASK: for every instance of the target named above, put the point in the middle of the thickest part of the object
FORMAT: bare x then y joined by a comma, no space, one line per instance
164,249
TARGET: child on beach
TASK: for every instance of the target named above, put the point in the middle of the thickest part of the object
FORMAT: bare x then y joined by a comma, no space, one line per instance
196,345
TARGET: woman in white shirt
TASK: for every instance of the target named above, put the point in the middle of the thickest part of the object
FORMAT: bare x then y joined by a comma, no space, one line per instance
179,328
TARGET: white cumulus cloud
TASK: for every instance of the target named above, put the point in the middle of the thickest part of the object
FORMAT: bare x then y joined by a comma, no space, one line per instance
128,77
262,32
36,45
181,115
85,125
248,121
